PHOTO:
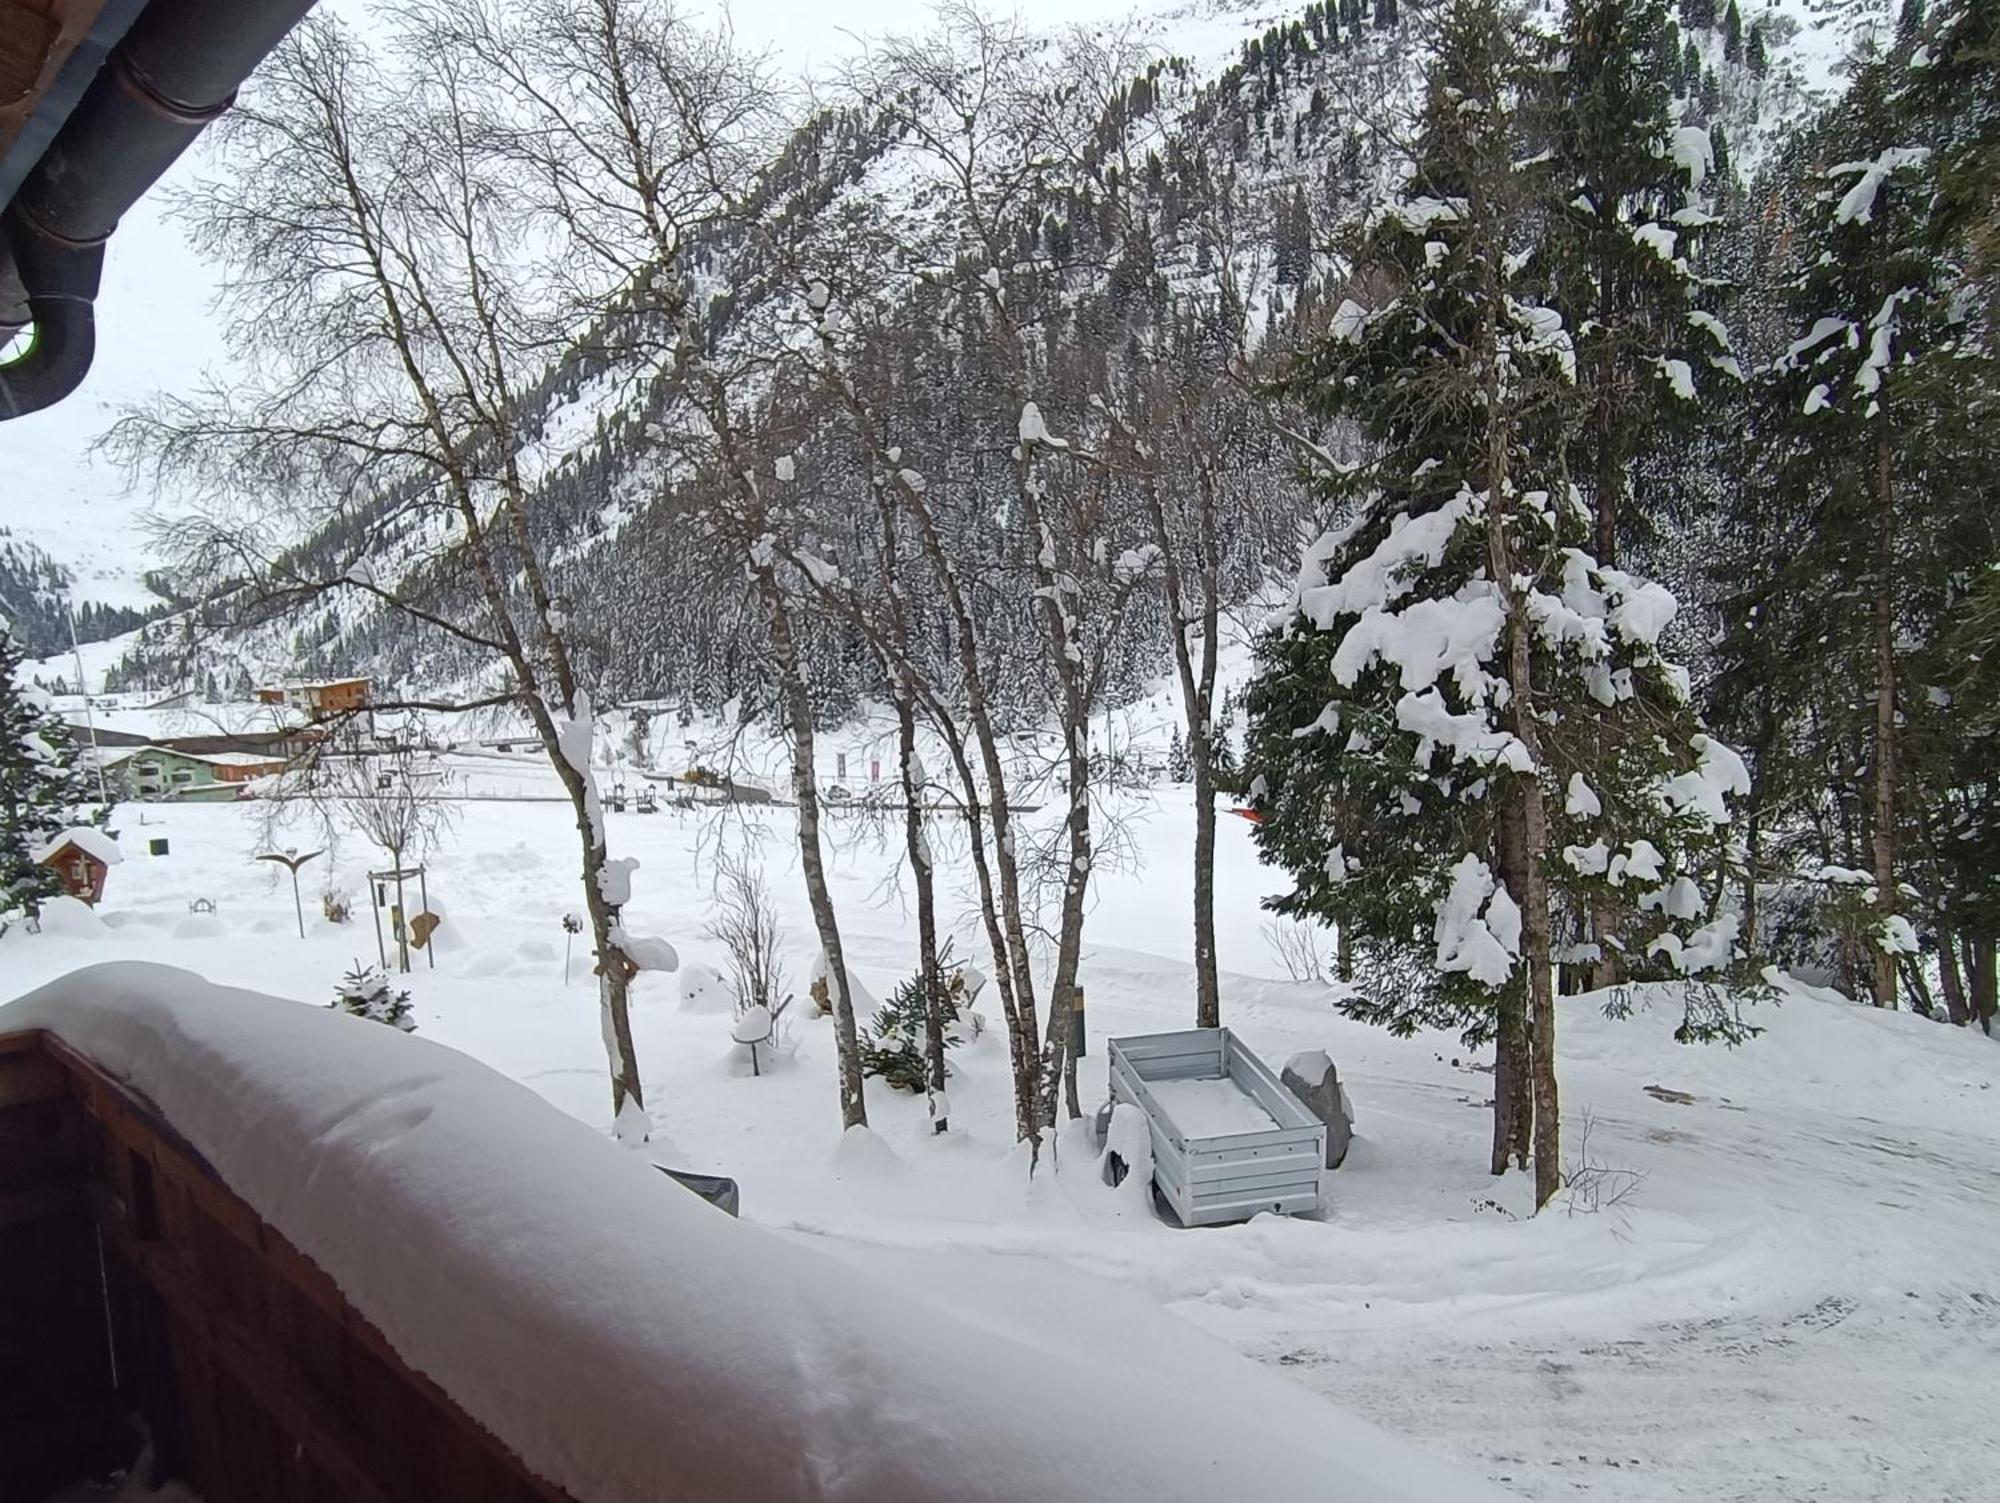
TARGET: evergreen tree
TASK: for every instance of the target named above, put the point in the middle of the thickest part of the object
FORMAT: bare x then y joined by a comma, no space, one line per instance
1732,33
1426,724
44,786
1621,252
366,993
1755,53
1868,500
892,1042
1655,358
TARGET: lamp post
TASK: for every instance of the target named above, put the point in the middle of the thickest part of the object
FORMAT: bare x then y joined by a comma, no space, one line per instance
291,860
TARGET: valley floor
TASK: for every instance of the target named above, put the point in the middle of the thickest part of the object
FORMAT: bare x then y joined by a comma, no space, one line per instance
1793,1301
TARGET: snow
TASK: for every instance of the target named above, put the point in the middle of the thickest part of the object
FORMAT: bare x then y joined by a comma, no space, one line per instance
1897,936
645,951
753,1027
1478,925
1425,642
1580,801
1383,577
1349,320
1680,1347
86,838
1822,330
1680,377
614,879
616,1331
706,989
1310,1065
1857,205
1657,238
1693,152
1034,430
1419,214
1709,948
1641,610
66,917
1718,775
1209,1108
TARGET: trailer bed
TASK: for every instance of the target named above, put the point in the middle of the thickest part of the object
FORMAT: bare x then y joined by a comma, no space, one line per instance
1216,1158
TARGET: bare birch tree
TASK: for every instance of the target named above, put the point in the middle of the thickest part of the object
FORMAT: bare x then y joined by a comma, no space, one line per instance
385,298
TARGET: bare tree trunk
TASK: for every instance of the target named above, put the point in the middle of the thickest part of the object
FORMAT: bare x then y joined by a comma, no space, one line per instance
1197,684
1513,1102
1207,979
812,865
1007,931
1883,835
1526,816
1066,659
919,847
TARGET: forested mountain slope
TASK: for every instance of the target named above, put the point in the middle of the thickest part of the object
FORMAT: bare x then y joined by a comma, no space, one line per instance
1226,155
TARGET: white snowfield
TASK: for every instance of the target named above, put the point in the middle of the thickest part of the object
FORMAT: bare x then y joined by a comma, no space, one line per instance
635,1345
1785,1294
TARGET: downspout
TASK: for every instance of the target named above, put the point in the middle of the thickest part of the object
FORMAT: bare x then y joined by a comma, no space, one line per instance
177,69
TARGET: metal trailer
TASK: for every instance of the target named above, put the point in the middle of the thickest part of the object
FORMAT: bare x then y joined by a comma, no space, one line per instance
1204,1180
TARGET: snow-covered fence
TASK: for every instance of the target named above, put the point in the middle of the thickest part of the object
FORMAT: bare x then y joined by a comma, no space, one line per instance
1229,1140
278,1162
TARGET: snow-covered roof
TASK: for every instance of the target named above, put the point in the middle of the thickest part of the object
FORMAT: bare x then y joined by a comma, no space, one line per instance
86,838
630,1342
112,756
170,724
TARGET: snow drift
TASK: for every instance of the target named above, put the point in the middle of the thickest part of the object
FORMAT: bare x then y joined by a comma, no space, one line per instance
630,1342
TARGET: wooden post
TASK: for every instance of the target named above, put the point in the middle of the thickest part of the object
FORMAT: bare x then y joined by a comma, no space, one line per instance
1079,1040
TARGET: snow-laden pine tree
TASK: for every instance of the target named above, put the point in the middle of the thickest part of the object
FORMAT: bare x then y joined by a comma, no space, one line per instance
44,787
1627,178
1428,720
1863,451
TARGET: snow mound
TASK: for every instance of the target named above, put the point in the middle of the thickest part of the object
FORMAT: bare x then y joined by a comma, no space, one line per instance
623,1337
198,926
705,989
863,1153
70,918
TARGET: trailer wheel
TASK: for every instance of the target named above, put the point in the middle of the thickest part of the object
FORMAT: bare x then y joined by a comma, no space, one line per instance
1164,1208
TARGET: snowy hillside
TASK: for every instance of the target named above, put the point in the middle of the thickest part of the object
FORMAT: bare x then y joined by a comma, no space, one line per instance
1290,132
1765,1283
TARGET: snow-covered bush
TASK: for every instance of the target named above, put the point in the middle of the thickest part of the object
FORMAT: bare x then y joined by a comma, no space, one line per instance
365,992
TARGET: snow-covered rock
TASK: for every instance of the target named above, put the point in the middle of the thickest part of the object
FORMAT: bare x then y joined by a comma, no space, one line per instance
1310,1076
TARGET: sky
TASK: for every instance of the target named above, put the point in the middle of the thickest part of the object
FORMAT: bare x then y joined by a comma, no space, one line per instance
157,326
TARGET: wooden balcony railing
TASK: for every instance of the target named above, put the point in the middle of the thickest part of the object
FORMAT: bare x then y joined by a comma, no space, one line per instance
134,1285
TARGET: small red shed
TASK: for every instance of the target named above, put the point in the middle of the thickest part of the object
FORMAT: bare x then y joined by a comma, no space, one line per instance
80,858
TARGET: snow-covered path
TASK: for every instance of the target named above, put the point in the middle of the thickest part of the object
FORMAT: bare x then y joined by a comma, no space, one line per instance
1789,1303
